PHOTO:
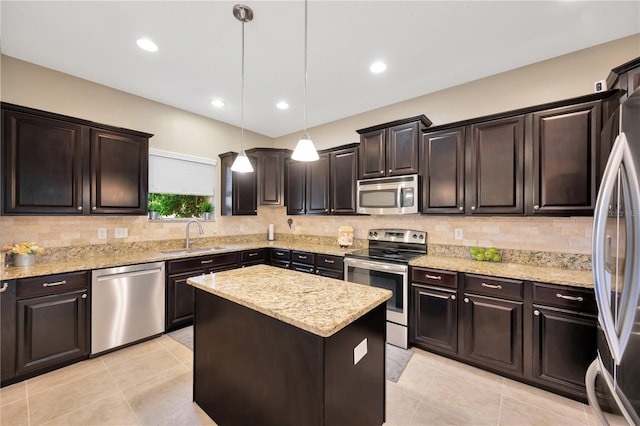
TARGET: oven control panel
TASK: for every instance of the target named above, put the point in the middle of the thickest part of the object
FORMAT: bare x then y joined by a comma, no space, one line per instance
398,235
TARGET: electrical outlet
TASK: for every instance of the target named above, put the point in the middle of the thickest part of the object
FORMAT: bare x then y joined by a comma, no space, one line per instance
457,233
102,233
122,232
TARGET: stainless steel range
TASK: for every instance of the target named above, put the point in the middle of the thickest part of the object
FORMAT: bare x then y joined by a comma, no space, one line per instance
385,264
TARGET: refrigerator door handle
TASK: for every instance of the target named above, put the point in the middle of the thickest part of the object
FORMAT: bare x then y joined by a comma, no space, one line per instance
617,332
628,412
592,399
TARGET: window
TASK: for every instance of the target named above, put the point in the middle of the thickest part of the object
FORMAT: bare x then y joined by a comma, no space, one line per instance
179,184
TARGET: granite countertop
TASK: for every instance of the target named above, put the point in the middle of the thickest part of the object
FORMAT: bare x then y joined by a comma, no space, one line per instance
130,258
572,277
322,306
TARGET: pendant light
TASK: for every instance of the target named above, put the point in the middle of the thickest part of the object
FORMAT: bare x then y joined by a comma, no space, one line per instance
241,163
305,150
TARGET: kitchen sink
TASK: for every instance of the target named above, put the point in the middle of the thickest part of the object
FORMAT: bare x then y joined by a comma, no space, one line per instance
193,250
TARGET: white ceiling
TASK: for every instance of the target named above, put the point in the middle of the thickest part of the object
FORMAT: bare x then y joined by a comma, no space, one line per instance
428,46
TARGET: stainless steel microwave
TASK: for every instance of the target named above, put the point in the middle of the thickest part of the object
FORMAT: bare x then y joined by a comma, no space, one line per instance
390,195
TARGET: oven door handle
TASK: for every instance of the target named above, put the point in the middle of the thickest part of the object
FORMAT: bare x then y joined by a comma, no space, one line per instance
376,266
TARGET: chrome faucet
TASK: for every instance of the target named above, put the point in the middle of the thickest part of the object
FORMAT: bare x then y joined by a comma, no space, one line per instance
197,222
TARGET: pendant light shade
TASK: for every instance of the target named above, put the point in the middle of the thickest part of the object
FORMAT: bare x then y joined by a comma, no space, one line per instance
305,149
242,164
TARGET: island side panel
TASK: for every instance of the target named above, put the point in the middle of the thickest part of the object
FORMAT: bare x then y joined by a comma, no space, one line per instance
355,394
250,368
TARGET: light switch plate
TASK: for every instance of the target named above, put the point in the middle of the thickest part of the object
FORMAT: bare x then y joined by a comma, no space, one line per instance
122,232
359,351
102,233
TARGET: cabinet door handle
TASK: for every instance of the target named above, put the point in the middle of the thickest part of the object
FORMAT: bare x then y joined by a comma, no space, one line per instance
63,282
572,298
382,171
253,254
536,312
205,262
495,286
84,296
329,261
433,277
461,208
94,208
536,207
473,207
79,208
390,170
302,257
279,253
4,288
466,300
453,297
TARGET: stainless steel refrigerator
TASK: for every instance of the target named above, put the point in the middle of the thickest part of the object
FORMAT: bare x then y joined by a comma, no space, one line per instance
616,273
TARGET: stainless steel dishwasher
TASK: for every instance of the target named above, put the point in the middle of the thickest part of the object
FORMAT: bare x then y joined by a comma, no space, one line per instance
127,305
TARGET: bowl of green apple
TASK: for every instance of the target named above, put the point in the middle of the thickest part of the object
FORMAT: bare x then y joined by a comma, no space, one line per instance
485,254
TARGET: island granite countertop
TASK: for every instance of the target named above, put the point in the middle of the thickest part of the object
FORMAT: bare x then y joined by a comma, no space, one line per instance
319,305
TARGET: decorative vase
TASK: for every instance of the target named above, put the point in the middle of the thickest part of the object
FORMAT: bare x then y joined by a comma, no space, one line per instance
207,215
153,215
24,259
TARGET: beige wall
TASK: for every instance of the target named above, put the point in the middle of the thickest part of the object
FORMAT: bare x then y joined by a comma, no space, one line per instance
176,130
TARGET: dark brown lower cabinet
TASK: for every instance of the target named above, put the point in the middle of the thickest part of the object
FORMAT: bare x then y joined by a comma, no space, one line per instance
180,300
435,318
52,322
564,344
493,332
7,330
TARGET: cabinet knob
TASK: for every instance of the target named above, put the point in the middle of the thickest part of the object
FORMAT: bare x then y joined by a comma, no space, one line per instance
473,207
84,296
536,207
94,208
453,297
466,300
382,171
536,312
79,208
390,170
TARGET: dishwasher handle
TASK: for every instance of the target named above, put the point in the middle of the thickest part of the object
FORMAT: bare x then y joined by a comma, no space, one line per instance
128,274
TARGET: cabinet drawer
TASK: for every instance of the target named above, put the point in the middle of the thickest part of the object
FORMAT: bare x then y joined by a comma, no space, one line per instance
434,277
564,297
280,254
301,267
280,263
190,264
303,257
499,287
330,273
256,255
328,261
224,259
51,284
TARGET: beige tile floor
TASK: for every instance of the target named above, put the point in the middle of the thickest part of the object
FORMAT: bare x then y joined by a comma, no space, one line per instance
150,384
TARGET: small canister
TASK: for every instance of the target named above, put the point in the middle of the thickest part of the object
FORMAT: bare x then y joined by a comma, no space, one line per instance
345,236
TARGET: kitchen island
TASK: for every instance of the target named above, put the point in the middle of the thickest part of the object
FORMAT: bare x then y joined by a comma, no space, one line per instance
280,347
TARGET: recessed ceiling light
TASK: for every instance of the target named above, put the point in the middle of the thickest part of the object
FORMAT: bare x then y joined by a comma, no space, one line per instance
378,67
146,44
282,105
218,103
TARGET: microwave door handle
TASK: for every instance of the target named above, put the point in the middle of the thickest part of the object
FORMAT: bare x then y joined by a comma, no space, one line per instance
400,194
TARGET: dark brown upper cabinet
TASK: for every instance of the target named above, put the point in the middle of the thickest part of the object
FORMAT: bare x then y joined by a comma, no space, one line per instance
391,149
307,186
343,179
270,175
565,151
495,167
545,159
326,186
442,156
239,190
55,164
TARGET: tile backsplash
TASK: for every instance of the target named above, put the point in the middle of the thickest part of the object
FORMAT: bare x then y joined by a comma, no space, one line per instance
547,234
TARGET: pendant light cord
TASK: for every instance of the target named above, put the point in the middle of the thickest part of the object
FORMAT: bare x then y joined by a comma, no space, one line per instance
305,135
242,98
